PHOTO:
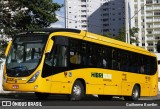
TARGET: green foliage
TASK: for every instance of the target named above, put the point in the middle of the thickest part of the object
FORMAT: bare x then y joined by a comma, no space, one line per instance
133,31
122,35
21,15
108,34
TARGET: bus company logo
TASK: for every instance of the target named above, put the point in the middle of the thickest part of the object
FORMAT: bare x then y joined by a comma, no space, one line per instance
101,75
70,74
97,75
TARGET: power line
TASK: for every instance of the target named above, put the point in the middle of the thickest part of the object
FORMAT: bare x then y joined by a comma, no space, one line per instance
138,11
79,21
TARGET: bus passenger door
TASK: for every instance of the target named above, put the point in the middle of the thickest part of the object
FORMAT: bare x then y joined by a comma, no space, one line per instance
47,68
60,81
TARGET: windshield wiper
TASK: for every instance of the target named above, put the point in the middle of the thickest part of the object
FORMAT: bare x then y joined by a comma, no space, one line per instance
18,71
19,68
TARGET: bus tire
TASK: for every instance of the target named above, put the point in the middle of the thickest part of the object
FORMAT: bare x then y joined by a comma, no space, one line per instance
41,96
135,94
77,91
105,97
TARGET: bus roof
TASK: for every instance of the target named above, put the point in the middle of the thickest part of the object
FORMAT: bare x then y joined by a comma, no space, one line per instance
102,39
50,30
119,44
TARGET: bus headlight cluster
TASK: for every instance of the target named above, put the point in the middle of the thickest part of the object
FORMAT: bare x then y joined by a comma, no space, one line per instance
34,77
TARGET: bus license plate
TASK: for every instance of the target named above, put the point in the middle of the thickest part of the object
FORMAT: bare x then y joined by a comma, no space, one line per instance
15,86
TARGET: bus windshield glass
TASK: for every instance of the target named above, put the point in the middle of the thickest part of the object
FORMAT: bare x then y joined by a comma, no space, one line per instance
25,55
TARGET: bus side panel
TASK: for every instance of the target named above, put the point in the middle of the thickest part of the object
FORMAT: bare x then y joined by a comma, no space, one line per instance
154,85
94,89
127,88
131,79
61,83
112,86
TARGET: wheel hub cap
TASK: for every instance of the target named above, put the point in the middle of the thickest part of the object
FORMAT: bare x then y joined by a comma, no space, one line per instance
77,90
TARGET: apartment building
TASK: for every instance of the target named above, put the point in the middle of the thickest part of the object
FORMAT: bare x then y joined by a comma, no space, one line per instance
147,19
97,16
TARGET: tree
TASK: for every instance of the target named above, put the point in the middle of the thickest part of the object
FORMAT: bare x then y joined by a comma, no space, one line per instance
21,15
122,35
133,31
108,34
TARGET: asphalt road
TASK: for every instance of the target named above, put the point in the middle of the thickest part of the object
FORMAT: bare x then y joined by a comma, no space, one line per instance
25,100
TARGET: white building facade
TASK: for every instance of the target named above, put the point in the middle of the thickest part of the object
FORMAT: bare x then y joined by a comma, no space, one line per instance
147,18
97,16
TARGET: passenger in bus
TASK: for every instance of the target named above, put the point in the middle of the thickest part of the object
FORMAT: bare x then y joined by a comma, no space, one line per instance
142,69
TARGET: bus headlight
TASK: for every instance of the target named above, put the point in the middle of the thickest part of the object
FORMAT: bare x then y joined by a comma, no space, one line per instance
34,77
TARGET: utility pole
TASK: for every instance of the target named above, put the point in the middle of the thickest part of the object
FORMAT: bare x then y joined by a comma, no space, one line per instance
65,13
127,22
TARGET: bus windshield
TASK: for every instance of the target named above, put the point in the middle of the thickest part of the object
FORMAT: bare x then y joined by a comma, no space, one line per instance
25,55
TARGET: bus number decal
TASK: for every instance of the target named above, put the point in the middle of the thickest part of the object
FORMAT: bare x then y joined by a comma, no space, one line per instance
124,78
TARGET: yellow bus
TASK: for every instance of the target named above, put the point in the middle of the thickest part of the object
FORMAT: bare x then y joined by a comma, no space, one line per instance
78,63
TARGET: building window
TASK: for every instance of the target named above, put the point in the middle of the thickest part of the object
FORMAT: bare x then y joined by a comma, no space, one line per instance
83,6
83,0
143,44
83,16
143,38
84,26
156,13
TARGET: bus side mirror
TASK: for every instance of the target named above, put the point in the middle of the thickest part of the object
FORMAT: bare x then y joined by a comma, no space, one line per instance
49,46
158,46
7,48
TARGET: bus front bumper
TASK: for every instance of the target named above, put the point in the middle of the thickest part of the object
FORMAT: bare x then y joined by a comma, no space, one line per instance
28,87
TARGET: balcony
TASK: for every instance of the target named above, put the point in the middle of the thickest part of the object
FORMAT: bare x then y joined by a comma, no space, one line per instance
149,15
156,32
150,39
149,20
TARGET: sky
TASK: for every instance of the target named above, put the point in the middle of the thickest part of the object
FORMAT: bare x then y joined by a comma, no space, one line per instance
60,23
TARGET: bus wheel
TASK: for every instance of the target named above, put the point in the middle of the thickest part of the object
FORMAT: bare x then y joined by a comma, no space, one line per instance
135,94
105,97
77,91
41,96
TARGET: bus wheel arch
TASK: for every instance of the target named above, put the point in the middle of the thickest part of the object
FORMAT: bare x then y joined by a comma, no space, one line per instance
135,95
78,90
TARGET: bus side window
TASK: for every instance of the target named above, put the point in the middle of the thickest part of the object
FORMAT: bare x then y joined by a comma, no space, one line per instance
114,59
153,65
75,53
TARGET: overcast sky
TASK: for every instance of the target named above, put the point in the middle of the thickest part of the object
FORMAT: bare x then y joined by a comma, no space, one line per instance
60,23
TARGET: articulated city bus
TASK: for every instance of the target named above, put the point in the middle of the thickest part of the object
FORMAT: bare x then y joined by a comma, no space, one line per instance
78,63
